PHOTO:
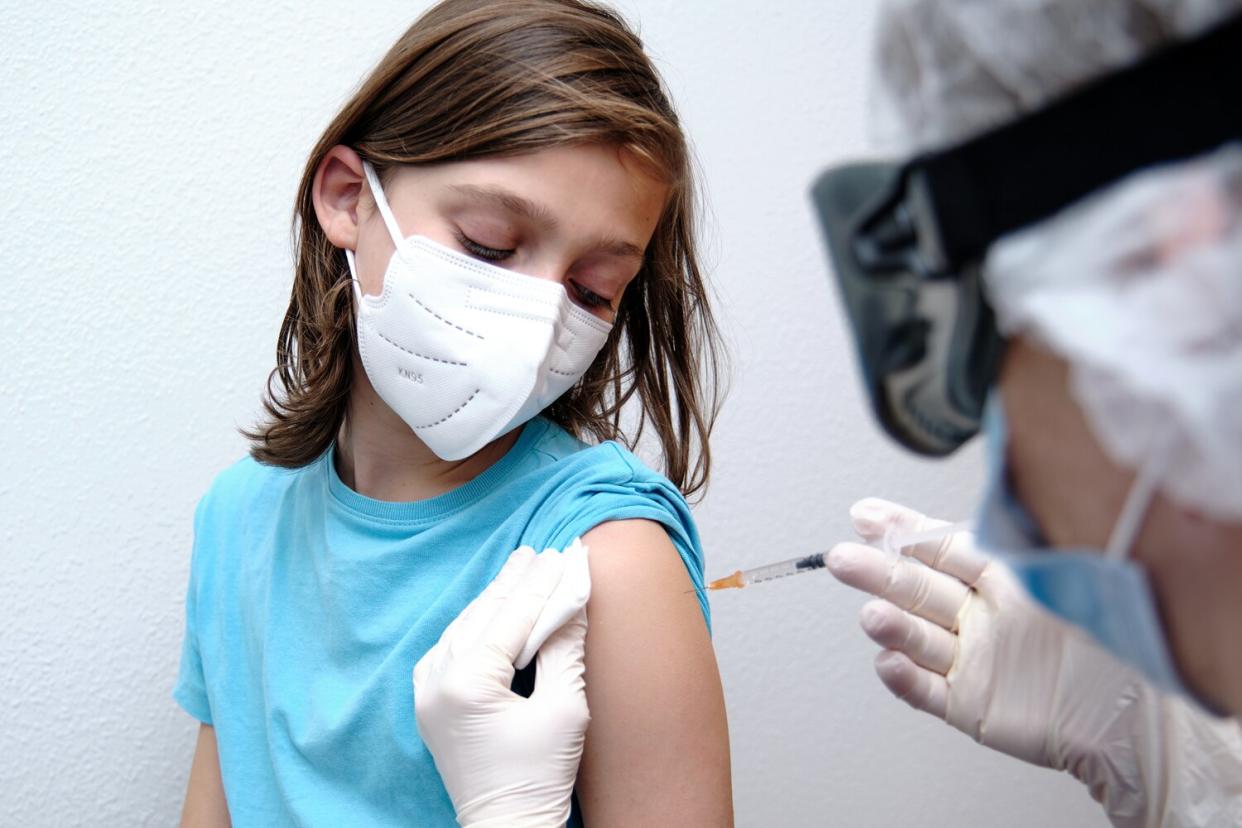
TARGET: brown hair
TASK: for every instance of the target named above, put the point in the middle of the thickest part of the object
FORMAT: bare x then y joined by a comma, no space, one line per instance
474,78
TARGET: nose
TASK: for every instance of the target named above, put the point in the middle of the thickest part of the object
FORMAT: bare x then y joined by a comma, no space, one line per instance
550,268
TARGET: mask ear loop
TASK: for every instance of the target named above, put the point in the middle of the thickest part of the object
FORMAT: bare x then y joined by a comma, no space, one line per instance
1142,490
377,192
353,276
390,222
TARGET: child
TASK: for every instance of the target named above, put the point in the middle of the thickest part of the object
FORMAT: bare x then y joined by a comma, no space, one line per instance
494,253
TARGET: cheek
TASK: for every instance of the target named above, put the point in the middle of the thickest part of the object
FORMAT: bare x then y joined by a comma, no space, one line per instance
374,252
1196,575
1057,468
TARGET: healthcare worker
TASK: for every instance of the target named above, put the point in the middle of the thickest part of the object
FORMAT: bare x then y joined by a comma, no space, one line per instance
1059,265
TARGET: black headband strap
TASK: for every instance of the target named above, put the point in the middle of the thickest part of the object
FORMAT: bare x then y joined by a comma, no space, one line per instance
1183,101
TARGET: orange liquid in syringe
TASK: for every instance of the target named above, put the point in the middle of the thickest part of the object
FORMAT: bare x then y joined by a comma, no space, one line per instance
733,581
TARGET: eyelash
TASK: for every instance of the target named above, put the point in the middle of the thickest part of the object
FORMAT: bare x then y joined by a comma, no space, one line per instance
590,298
490,254
586,296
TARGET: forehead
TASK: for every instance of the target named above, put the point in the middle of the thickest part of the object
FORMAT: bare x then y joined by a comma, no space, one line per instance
579,188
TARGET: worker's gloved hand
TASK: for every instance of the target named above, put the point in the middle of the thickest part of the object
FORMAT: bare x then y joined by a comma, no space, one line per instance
508,760
963,641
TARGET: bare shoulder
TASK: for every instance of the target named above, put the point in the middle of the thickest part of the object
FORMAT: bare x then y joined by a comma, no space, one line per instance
635,561
657,749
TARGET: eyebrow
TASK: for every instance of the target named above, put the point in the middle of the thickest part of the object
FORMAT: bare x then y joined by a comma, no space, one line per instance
512,202
516,204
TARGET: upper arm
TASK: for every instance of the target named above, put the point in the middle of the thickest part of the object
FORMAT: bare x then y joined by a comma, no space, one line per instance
205,806
657,749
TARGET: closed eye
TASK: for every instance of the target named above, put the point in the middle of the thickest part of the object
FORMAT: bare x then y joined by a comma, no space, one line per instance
479,251
583,295
590,298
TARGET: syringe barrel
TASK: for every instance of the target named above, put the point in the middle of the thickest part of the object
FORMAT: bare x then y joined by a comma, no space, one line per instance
793,566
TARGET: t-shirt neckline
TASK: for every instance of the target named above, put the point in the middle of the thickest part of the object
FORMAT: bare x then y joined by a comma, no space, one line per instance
440,505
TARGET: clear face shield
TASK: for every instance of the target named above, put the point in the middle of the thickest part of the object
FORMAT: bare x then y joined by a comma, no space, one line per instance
906,239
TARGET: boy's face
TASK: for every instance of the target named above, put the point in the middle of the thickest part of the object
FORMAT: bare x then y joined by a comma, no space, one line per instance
579,215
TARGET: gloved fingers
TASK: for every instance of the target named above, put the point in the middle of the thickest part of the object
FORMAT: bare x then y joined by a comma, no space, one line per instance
927,645
910,585
474,619
464,630
561,661
571,595
921,689
955,554
509,628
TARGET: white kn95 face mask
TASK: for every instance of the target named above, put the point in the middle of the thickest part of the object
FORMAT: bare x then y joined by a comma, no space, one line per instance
464,351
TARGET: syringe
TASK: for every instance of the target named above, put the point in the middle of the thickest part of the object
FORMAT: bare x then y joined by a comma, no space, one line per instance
894,541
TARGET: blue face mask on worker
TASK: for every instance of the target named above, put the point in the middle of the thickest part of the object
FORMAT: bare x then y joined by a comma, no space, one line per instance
1100,591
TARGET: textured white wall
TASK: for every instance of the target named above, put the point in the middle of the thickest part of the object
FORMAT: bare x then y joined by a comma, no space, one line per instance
151,155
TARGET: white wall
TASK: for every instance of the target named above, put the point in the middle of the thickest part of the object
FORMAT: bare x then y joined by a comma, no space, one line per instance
151,152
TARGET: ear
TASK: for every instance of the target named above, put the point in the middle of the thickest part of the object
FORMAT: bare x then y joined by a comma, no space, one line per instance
336,190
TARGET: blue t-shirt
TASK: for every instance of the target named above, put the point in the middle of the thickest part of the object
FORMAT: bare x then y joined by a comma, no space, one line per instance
309,604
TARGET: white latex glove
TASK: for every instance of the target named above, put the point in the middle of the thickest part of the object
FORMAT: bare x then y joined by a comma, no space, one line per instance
964,642
508,760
